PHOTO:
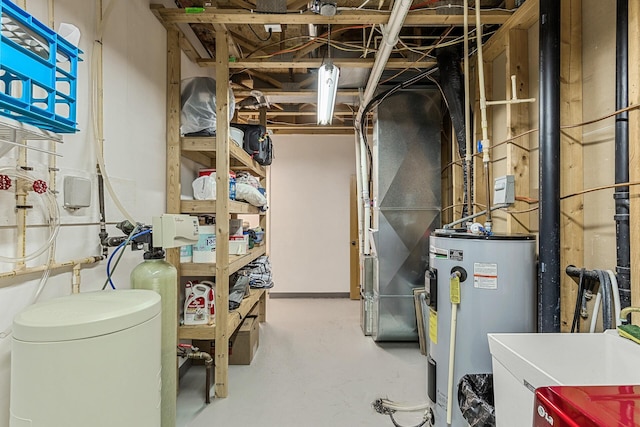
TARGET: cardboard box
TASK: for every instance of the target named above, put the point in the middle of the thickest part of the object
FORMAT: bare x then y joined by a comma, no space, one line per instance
244,343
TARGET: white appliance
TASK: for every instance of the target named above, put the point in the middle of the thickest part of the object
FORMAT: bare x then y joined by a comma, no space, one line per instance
89,359
524,362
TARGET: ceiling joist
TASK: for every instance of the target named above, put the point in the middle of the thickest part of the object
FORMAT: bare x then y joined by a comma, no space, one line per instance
394,63
351,17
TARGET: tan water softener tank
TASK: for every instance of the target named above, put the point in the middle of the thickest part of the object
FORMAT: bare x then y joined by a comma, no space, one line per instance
90,359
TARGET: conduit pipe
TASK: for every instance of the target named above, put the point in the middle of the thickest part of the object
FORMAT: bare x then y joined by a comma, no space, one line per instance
390,39
486,144
549,113
621,195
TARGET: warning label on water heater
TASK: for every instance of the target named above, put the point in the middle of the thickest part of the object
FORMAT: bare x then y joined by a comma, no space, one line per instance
485,275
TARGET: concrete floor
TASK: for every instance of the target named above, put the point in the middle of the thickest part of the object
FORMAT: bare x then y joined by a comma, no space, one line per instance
314,368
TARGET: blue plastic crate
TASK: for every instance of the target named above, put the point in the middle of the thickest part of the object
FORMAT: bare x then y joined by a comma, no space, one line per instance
38,72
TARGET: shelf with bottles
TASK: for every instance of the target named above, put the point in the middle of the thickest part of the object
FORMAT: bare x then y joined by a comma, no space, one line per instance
208,332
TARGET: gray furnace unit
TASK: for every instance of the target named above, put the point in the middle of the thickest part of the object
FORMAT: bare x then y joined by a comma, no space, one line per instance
406,207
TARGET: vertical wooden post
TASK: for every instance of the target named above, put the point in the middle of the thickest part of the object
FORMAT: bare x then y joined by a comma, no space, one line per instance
263,116
173,192
634,151
222,214
571,155
517,53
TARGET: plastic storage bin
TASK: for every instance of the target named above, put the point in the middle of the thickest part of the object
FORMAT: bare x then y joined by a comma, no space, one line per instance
38,72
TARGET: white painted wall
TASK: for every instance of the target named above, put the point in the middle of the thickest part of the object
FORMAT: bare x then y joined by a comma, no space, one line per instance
310,179
134,97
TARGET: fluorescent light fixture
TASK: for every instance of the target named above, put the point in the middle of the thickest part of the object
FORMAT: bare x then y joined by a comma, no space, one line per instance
327,87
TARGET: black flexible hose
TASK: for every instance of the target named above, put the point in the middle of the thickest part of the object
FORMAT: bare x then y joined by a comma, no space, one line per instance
575,325
605,290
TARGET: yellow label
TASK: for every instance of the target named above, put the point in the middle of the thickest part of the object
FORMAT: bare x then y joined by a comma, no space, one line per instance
454,292
433,325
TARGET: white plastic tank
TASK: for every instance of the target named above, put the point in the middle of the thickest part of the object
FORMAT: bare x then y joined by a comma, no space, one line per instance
90,359
497,295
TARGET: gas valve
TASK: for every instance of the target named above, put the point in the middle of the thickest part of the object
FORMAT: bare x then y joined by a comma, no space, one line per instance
39,186
5,182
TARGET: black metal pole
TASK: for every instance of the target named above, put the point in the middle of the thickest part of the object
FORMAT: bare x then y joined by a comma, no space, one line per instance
549,249
621,195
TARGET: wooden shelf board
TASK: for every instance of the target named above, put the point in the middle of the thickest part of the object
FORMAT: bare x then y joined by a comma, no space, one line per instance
236,262
207,146
208,332
209,207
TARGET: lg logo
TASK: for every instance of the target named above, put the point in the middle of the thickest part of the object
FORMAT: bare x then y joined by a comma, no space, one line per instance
543,414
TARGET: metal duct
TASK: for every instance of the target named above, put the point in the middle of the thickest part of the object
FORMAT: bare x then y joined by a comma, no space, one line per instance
549,249
621,194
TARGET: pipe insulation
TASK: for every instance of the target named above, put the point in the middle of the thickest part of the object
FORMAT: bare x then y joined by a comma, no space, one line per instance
621,194
451,82
549,213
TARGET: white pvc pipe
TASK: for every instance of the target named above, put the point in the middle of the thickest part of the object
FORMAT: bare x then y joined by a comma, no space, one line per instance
365,201
483,97
359,154
452,355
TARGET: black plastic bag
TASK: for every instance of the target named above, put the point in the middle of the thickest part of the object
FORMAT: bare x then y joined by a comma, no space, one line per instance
475,397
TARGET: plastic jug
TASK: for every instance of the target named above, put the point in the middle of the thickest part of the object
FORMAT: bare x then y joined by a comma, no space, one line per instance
197,304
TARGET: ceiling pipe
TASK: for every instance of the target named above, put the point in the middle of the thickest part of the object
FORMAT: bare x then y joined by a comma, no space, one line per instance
390,39
621,194
549,243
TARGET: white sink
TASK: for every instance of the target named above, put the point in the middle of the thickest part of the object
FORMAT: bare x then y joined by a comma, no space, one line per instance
524,362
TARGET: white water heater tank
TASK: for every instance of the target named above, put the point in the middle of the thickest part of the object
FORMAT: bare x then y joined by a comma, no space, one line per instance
89,359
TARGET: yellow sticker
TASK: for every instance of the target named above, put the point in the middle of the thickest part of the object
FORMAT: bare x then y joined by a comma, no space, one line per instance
433,325
454,292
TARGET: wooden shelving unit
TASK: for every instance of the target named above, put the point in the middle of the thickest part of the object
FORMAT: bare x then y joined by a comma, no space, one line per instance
223,155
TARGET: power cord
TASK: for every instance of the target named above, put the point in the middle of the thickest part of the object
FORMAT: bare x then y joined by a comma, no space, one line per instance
260,38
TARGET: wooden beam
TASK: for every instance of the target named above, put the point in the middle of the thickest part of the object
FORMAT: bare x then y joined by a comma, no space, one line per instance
265,78
518,161
184,42
571,155
522,19
294,94
634,151
233,48
297,4
352,17
222,214
393,63
271,113
173,206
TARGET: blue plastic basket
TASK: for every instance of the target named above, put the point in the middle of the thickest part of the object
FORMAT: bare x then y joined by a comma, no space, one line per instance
38,72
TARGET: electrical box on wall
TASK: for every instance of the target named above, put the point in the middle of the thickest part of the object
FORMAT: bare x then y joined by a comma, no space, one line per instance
504,190
77,192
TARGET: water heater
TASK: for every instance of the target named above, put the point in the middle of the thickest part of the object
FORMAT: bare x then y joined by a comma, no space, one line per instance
496,290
